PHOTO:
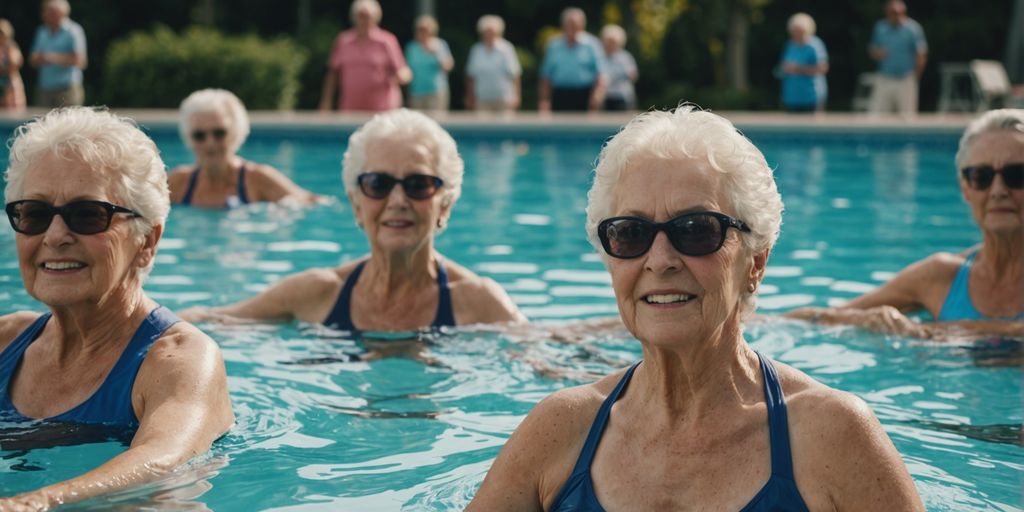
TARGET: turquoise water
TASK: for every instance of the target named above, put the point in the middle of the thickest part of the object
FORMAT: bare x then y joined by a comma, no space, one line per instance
419,428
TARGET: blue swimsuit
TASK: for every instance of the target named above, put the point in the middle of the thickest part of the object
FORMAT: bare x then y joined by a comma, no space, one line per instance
958,305
242,197
111,404
340,316
779,494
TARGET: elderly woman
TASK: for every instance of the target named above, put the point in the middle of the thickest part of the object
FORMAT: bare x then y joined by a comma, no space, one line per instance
621,67
803,66
213,123
12,90
403,174
87,197
685,210
981,288
430,61
492,71
366,61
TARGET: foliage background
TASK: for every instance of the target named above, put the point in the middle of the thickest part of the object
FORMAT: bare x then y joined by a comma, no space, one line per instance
686,49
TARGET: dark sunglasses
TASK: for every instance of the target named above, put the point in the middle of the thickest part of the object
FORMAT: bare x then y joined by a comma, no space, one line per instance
378,185
31,217
693,234
217,133
980,177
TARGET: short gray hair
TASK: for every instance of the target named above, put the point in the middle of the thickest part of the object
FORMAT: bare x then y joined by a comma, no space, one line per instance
219,101
802,20
573,11
107,144
491,20
61,5
407,125
426,20
1010,119
689,132
375,11
615,33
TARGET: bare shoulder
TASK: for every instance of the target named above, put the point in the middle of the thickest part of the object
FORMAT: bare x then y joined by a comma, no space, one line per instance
177,181
478,299
13,324
183,347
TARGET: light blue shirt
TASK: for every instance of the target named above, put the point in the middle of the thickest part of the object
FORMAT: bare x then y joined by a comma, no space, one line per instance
68,39
427,76
902,44
804,90
621,65
575,66
493,70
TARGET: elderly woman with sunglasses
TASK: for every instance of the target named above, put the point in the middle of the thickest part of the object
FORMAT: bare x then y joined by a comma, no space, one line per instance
214,124
402,173
87,197
685,210
980,289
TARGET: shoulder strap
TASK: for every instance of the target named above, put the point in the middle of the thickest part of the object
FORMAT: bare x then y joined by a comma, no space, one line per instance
958,305
242,196
340,316
778,420
11,356
601,421
445,316
187,200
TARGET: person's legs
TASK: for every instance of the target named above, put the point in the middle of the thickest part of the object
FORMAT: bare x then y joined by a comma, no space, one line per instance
569,100
907,100
55,98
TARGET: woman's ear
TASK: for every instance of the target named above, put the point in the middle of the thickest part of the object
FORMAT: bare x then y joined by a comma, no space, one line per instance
148,250
760,261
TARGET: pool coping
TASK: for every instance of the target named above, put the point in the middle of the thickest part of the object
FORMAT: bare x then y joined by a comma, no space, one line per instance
533,122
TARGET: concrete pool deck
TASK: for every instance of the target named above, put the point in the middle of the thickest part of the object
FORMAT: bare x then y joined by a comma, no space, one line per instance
835,122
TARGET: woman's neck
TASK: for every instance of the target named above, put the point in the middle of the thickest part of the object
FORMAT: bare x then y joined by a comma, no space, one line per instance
89,328
392,274
1002,255
221,170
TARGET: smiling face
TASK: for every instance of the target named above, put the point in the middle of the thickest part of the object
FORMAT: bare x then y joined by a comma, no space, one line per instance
666,298
61,268
997,208
398,223
210,148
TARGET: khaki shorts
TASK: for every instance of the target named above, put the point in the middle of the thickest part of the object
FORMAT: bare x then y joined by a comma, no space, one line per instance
54,98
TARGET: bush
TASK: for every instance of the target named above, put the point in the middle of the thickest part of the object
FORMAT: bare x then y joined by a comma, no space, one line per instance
160,68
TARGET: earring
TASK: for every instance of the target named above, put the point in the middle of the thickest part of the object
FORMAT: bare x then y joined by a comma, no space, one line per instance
440,223
752,287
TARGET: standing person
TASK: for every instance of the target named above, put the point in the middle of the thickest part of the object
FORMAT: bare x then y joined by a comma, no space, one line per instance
12,90
572,75
366,66
59,52
493,71
804,64
430,60
899,46
87,198
213,123
621,70
684,211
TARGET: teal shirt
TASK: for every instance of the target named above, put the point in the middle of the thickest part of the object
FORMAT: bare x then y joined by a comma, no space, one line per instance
427,76
902,44
68,39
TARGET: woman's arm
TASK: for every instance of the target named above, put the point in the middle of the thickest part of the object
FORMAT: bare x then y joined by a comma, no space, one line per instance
269,184
297,296
182,399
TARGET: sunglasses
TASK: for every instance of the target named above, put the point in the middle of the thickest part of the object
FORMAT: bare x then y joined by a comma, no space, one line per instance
217,133
980,177
692,234
31,217
378,185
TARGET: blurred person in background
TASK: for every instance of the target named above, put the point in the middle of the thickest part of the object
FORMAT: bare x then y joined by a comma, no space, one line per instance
59,52
430,60
572,74
214,124
803,66
12,90
366,67
493,72
621,70
899,46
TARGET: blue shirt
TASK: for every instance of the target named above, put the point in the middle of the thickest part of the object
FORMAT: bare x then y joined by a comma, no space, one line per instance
804,90
493,70
902,44
68,39
427,76
621,65
575,66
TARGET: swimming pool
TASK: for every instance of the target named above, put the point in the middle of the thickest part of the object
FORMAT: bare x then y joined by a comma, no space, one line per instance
418,430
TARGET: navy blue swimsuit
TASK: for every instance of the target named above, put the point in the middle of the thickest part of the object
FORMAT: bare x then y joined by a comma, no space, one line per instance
779,494
111,404
242,197
341,318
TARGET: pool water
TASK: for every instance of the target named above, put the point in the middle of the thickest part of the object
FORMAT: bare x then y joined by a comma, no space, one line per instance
318,429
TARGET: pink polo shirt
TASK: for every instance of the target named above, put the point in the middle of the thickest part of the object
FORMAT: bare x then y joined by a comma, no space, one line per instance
366,69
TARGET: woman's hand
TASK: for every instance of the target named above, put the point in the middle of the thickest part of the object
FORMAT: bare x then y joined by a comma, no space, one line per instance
38,500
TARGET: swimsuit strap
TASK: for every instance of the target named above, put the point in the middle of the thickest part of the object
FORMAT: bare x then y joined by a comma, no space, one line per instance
601,421
242,196
778,420
445,316
187,199
340,315
11,357
958,305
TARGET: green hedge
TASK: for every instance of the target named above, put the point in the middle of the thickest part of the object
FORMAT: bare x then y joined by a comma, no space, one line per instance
158,69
